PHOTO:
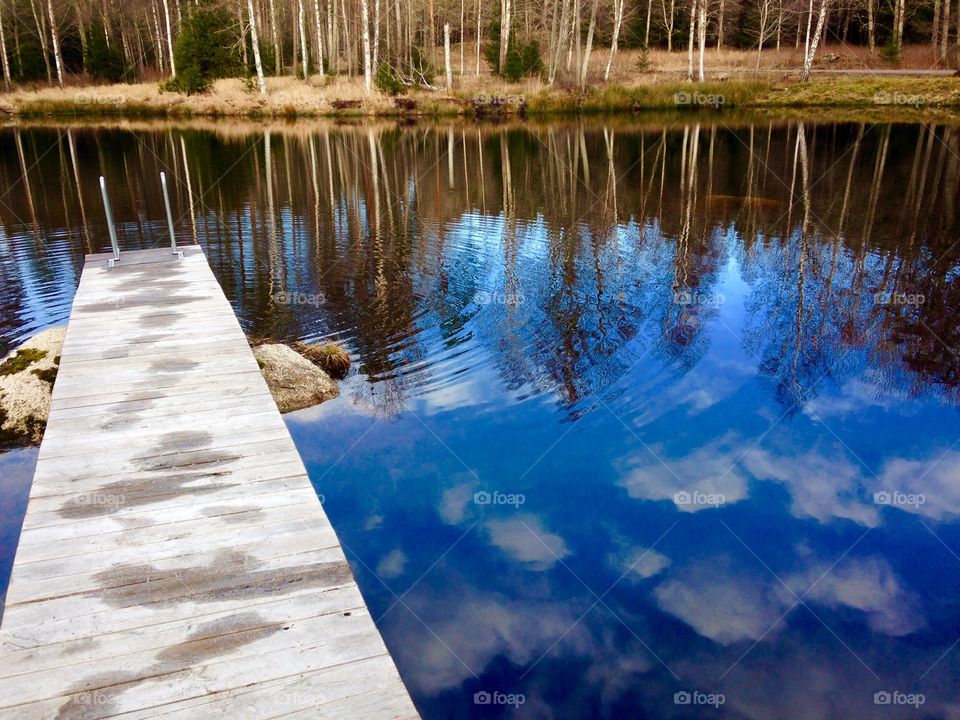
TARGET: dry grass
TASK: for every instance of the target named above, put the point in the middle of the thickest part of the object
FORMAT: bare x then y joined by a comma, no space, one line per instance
329,356
629,87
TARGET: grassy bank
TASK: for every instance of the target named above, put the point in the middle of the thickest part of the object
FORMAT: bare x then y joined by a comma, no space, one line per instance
290,98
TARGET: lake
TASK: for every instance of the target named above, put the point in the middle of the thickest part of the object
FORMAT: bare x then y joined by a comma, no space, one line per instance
654,416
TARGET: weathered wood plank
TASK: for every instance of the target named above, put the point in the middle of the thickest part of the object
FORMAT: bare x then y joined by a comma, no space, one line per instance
175,560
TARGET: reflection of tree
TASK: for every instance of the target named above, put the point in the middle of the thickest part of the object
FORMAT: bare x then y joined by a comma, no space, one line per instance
597,230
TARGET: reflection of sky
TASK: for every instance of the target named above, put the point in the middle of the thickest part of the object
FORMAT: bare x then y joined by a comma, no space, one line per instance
826,595
600,404
16,474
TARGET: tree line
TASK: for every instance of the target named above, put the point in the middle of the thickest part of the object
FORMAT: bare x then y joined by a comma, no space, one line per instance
398,43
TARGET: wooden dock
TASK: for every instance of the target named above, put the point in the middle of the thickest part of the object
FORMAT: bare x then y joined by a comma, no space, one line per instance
175,560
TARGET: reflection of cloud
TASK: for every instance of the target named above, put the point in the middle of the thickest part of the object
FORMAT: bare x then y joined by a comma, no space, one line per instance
723,605
868,585
475,628
524,538
855,396
823,483
821,486
454,501
728,605
709,469
637,562
935,478
392,564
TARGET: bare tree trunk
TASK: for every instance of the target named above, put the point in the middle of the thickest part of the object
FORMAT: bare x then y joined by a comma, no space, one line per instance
871,26
462,28
693,27
166,16
702,36
504,33
277,57
255,41
41,23
646,32
618,6
668,20
304,48
720,26
365,21
316,15
479,16
432,30
815,40
562,29
375,50
446,56
54,35
903,17
935,30
945,45
7,77
157,38
585,63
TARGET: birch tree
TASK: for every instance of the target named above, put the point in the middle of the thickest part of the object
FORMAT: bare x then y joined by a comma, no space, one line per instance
7,77
811,50
365,22
585,62
304,48
504,33
255,41
55,37
166,16
618,6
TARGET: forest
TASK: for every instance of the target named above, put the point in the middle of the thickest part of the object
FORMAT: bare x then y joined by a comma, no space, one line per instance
395,45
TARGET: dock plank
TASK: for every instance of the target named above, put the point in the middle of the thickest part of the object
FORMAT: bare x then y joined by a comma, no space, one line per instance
175,560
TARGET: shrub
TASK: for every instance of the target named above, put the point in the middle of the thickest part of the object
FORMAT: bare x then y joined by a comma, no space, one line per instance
890,52
387,80
204,50
28,62
423,70
522,59
103,62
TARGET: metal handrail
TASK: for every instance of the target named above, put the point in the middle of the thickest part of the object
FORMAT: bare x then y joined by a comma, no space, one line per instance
111,226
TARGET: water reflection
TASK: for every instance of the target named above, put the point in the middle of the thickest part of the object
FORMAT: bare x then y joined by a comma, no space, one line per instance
718,362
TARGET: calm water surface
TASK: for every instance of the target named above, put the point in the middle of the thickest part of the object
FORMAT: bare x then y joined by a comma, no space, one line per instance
638,408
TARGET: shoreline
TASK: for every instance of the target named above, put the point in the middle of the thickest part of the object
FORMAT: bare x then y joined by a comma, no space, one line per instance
299,99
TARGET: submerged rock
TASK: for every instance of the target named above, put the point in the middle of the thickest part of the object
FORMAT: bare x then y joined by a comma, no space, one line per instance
295,382
26,384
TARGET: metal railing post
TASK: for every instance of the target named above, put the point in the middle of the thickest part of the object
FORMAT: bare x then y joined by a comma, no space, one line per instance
108,209
166,201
